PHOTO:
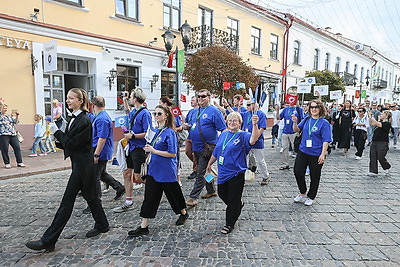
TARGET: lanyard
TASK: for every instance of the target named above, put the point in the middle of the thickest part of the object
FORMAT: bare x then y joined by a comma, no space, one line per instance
290,111
98,113
158,134
225,144
199,114
310,129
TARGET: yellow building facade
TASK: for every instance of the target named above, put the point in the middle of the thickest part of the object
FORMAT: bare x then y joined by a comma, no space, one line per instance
94,37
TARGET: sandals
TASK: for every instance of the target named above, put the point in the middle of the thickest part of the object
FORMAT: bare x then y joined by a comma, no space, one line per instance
226,229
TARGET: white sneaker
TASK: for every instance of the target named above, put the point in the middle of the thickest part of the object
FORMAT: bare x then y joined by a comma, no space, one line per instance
281,150
308,202
294,155
372,174
358,158
8,166
123,208
386,172
137,186
299,198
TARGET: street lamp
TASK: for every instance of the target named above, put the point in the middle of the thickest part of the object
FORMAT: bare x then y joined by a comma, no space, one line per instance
153,81
113,75
367,80
169,38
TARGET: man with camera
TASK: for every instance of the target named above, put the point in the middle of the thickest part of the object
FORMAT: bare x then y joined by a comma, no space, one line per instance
139,120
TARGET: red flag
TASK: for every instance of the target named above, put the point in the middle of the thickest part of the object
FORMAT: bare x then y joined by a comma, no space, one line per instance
170,59
227,85
291,99
357,94
183,98
176,111
283,73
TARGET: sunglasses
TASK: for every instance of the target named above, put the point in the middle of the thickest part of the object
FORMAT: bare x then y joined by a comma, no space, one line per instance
314,107
361,111
248,105
202,96
157,114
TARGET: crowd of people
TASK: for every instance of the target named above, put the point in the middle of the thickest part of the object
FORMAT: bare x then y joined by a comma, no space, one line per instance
223,137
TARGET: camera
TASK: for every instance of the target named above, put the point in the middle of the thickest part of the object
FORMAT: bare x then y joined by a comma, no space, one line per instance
124,94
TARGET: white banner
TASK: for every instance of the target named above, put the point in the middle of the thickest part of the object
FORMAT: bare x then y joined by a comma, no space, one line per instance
322,89
50,56
335,94
303,88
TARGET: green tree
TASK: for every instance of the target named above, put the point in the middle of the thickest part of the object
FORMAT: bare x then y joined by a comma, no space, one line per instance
210,67
325,77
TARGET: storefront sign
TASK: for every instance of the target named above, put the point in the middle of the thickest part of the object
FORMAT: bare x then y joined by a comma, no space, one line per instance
14,42
50,56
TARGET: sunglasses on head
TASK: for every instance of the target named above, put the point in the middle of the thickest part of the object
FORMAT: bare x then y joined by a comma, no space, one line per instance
202,96
157,113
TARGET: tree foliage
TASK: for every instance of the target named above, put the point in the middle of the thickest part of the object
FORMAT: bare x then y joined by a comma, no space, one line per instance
210,67
325,77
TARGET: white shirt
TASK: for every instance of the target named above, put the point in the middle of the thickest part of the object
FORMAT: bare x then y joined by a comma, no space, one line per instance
364,120
395,118
76,113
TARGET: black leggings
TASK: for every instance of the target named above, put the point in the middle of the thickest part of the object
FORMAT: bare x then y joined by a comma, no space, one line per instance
300,166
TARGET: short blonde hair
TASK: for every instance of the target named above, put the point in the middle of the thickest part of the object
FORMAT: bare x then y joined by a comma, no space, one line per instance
139,95
55,101
234,114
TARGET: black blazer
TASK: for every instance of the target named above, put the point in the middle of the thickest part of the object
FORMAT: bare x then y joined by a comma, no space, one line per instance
78,139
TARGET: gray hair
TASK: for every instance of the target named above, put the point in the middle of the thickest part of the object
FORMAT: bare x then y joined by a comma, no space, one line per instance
139,95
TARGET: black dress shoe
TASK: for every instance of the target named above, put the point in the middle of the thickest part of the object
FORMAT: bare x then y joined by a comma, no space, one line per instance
192,175
95,231
86,211
119,194
38,245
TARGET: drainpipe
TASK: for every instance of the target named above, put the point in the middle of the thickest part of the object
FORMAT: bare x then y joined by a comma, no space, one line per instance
289,23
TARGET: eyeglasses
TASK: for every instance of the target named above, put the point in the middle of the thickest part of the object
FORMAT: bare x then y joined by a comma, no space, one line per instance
202,96
157,114
233,121
360,111
314,107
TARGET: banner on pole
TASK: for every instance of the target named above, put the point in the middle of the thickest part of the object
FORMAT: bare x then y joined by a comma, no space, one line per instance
121,121
291,99
303,88
183,98
310,80
363,93
322,89
240,86
335,94
181,61
176,111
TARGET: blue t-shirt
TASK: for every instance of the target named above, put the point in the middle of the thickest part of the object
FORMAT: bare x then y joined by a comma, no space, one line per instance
164,170
91,116
286,116
178,121
102,127
212,121
242,109
234,155
190,118
320,130
247,125
140,125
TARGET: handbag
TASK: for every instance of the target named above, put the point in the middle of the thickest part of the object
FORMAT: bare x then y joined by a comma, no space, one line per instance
182,136
20,137
144,168
297,140
249,176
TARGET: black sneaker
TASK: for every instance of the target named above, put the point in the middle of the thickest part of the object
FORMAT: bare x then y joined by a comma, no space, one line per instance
253,168
87,210
139,231
182,219
265,181
119,194
192,175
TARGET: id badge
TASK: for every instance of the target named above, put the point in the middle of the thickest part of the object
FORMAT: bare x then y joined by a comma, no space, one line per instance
247,130
309,143
221,160
287,121
193,126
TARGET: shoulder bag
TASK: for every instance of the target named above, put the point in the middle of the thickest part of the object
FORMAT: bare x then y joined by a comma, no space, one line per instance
208,147
297,140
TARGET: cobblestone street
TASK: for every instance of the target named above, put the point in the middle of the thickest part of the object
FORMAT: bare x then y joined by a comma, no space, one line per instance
355,221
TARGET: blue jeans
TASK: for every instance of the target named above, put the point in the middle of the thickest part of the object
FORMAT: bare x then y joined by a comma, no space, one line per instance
36,142
395,135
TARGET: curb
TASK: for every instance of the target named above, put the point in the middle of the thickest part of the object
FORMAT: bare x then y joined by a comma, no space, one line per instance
26,174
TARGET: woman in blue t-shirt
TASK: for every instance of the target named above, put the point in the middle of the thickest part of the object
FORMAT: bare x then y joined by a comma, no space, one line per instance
230,153
162,173
312,150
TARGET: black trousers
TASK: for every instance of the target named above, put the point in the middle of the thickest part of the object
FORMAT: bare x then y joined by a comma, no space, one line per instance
101,174
231,194
377,152
200,182
5,142
359,141
81,179
153,193
300,166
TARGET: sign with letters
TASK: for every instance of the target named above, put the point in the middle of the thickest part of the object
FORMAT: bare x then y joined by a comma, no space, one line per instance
335,94
50,56
303,88
14,42
322,89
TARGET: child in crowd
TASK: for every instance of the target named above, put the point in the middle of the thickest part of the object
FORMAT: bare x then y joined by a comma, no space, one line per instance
38,137
48,144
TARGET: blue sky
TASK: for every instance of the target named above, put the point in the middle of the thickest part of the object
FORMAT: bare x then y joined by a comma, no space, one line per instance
372,22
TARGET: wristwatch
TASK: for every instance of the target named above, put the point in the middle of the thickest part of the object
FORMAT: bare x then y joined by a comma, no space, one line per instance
133,134
96,155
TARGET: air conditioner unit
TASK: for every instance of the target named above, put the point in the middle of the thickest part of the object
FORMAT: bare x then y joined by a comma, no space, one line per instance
359,47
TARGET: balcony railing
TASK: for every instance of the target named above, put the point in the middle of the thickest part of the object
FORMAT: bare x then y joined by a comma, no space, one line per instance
396,89
203,36
379,84
348,78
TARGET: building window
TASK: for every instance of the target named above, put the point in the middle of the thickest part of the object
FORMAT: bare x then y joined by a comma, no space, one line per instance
362,75
168,85
390,79
386,76
127,80
255,40
233,29
355,70
296,52
337,65
172,14
273,52
72,2
327,61
128,9
316,59
347,66
205,20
